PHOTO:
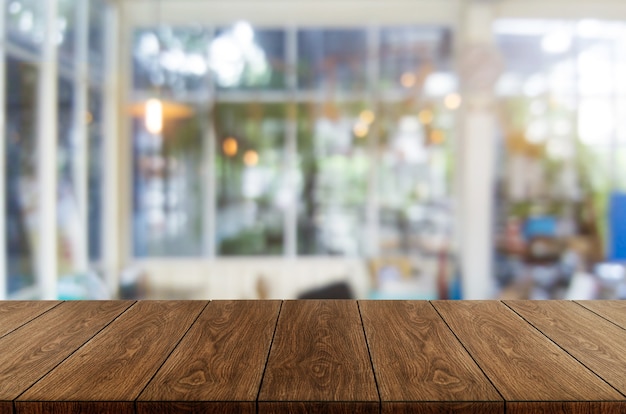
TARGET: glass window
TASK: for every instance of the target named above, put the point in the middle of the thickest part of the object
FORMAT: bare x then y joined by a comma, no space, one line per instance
252,187
242,57
346,140
68,223
21,188
26,23
167,187
334,167
97,35
332,59
414,176
171,61
408,55
67,26
95,171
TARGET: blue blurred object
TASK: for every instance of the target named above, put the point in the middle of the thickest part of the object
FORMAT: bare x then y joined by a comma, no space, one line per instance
540,226
82,286
617,227
455,291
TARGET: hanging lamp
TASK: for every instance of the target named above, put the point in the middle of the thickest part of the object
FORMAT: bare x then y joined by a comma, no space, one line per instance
155,110
154,116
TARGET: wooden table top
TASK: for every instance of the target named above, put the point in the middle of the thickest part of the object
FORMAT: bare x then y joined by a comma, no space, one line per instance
313,357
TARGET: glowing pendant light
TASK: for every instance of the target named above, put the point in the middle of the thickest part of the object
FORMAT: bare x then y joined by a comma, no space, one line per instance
154,106
154,116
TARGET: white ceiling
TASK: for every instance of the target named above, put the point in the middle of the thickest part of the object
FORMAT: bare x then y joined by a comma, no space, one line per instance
291,12
330,13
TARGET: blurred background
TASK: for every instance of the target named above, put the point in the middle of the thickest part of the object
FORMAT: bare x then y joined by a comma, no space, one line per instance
397,149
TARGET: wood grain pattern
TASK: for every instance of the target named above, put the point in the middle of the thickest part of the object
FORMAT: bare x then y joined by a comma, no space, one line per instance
441,407
319,355
75,407
221,358
318,407
199,407
613,310
594,341
521,362
231,357
587,407
424,363
14,314
118,363
33,350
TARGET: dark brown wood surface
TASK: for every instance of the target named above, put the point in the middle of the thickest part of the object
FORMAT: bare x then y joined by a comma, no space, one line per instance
14,314
603,349
33,350
319,361
521,362
220,361
424,362
313,357
613,310
117,364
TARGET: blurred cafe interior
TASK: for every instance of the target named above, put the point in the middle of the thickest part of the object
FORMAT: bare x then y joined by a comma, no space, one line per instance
260,149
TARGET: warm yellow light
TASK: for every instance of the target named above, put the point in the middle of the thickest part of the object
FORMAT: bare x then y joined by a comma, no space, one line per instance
408,79
437,137
251,158
88,117
230,146
360,129
367,116
171,110
154,116
426,116
452,101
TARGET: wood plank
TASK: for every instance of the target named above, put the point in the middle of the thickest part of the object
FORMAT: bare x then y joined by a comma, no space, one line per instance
424,367
71,407
583,407
597,343
319,361
197,407
522,363
443,407
117,363
318,407
33,350
218,366
613,310
14,314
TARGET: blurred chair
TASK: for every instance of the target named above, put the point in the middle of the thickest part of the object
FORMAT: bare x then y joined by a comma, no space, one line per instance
338,290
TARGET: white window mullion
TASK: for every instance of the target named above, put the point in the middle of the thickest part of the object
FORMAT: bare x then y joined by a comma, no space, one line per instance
111,232
290,230
209,158
80,134
4,279
210,168
372,203
47,140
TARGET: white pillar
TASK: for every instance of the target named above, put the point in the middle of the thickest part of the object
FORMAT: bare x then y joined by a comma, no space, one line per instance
3,216
479,69
290,231
111,231
210,180
80,135
47,139
209,213
372,216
